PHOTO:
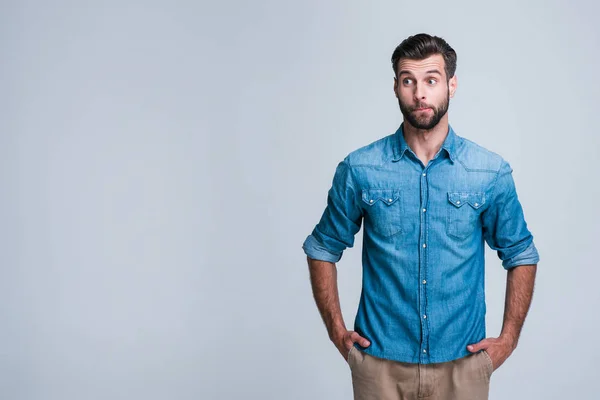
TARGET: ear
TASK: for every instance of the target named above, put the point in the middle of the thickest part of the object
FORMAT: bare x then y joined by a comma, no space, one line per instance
395,86
452,84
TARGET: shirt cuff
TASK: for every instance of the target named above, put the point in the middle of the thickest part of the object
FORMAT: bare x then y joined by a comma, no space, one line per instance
526,257
315,250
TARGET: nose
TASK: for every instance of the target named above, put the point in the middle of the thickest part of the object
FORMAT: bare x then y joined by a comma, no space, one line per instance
419,92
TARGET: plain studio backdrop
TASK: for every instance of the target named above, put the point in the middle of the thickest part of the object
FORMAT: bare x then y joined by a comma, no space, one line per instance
162,163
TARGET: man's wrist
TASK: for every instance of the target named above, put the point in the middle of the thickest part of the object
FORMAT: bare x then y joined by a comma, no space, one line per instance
509,339
337,332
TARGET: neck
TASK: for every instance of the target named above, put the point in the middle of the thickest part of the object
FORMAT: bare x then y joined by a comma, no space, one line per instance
425,143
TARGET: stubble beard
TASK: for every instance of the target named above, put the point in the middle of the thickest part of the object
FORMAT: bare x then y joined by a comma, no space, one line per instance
425,122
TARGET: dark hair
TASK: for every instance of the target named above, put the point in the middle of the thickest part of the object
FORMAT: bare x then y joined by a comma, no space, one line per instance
421,46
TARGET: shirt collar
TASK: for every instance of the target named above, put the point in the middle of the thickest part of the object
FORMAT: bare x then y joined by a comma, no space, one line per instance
400,146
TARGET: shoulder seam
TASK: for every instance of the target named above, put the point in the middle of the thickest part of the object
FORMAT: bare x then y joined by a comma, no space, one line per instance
498,177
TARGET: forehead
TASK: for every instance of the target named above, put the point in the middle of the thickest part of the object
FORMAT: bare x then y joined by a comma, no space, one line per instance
417,67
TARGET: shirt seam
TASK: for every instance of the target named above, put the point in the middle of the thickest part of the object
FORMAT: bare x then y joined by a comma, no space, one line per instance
356,195
496,179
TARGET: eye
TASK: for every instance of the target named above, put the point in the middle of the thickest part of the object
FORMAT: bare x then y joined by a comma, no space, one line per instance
432,81
407,81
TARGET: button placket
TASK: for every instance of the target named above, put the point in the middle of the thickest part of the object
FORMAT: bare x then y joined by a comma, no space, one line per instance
423,266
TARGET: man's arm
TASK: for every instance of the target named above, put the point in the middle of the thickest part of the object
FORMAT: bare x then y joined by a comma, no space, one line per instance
323,279
505,231
335,232
519,292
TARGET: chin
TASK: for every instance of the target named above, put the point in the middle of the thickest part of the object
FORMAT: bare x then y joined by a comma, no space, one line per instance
426,124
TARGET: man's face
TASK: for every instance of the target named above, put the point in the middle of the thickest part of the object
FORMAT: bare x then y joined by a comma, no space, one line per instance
423,92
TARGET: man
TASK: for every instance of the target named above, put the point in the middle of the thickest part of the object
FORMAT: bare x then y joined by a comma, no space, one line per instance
429,198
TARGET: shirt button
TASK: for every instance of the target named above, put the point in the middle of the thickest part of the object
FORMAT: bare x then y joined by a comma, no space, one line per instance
457,201
476,204
370,201
424,351
424,281
424,209
424,174
390,200
424,245
425,316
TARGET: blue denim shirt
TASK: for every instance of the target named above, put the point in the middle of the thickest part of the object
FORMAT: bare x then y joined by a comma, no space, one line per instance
423,293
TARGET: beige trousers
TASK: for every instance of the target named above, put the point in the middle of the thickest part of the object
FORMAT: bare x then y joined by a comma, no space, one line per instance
374,378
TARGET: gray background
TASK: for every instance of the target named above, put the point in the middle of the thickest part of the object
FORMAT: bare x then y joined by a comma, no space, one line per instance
162,163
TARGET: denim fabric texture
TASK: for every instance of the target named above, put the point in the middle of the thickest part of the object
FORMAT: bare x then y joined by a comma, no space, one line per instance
425,228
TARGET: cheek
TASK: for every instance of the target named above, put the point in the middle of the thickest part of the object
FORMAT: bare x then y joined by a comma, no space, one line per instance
404,94
439,94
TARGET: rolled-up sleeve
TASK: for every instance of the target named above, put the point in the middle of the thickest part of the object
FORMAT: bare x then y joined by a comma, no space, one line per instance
340,221
504,226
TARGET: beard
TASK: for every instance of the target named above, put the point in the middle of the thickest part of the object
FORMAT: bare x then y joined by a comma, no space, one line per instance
424,121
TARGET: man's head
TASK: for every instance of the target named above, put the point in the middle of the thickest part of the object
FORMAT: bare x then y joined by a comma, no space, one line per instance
424,79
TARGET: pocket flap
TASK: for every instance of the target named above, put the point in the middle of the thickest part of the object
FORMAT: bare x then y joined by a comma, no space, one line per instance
387,196
474,199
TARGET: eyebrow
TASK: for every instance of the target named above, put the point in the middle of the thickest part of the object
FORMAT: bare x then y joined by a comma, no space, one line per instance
431,71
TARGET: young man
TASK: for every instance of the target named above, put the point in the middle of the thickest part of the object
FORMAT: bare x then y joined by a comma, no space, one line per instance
429,199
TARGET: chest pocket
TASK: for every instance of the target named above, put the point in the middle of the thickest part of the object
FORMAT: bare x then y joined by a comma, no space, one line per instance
464,209
383,210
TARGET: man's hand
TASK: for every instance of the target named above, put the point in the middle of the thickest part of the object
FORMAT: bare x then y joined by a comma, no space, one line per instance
344,340
499,349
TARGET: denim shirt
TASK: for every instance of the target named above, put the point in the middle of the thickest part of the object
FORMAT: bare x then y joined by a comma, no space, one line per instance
423,293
